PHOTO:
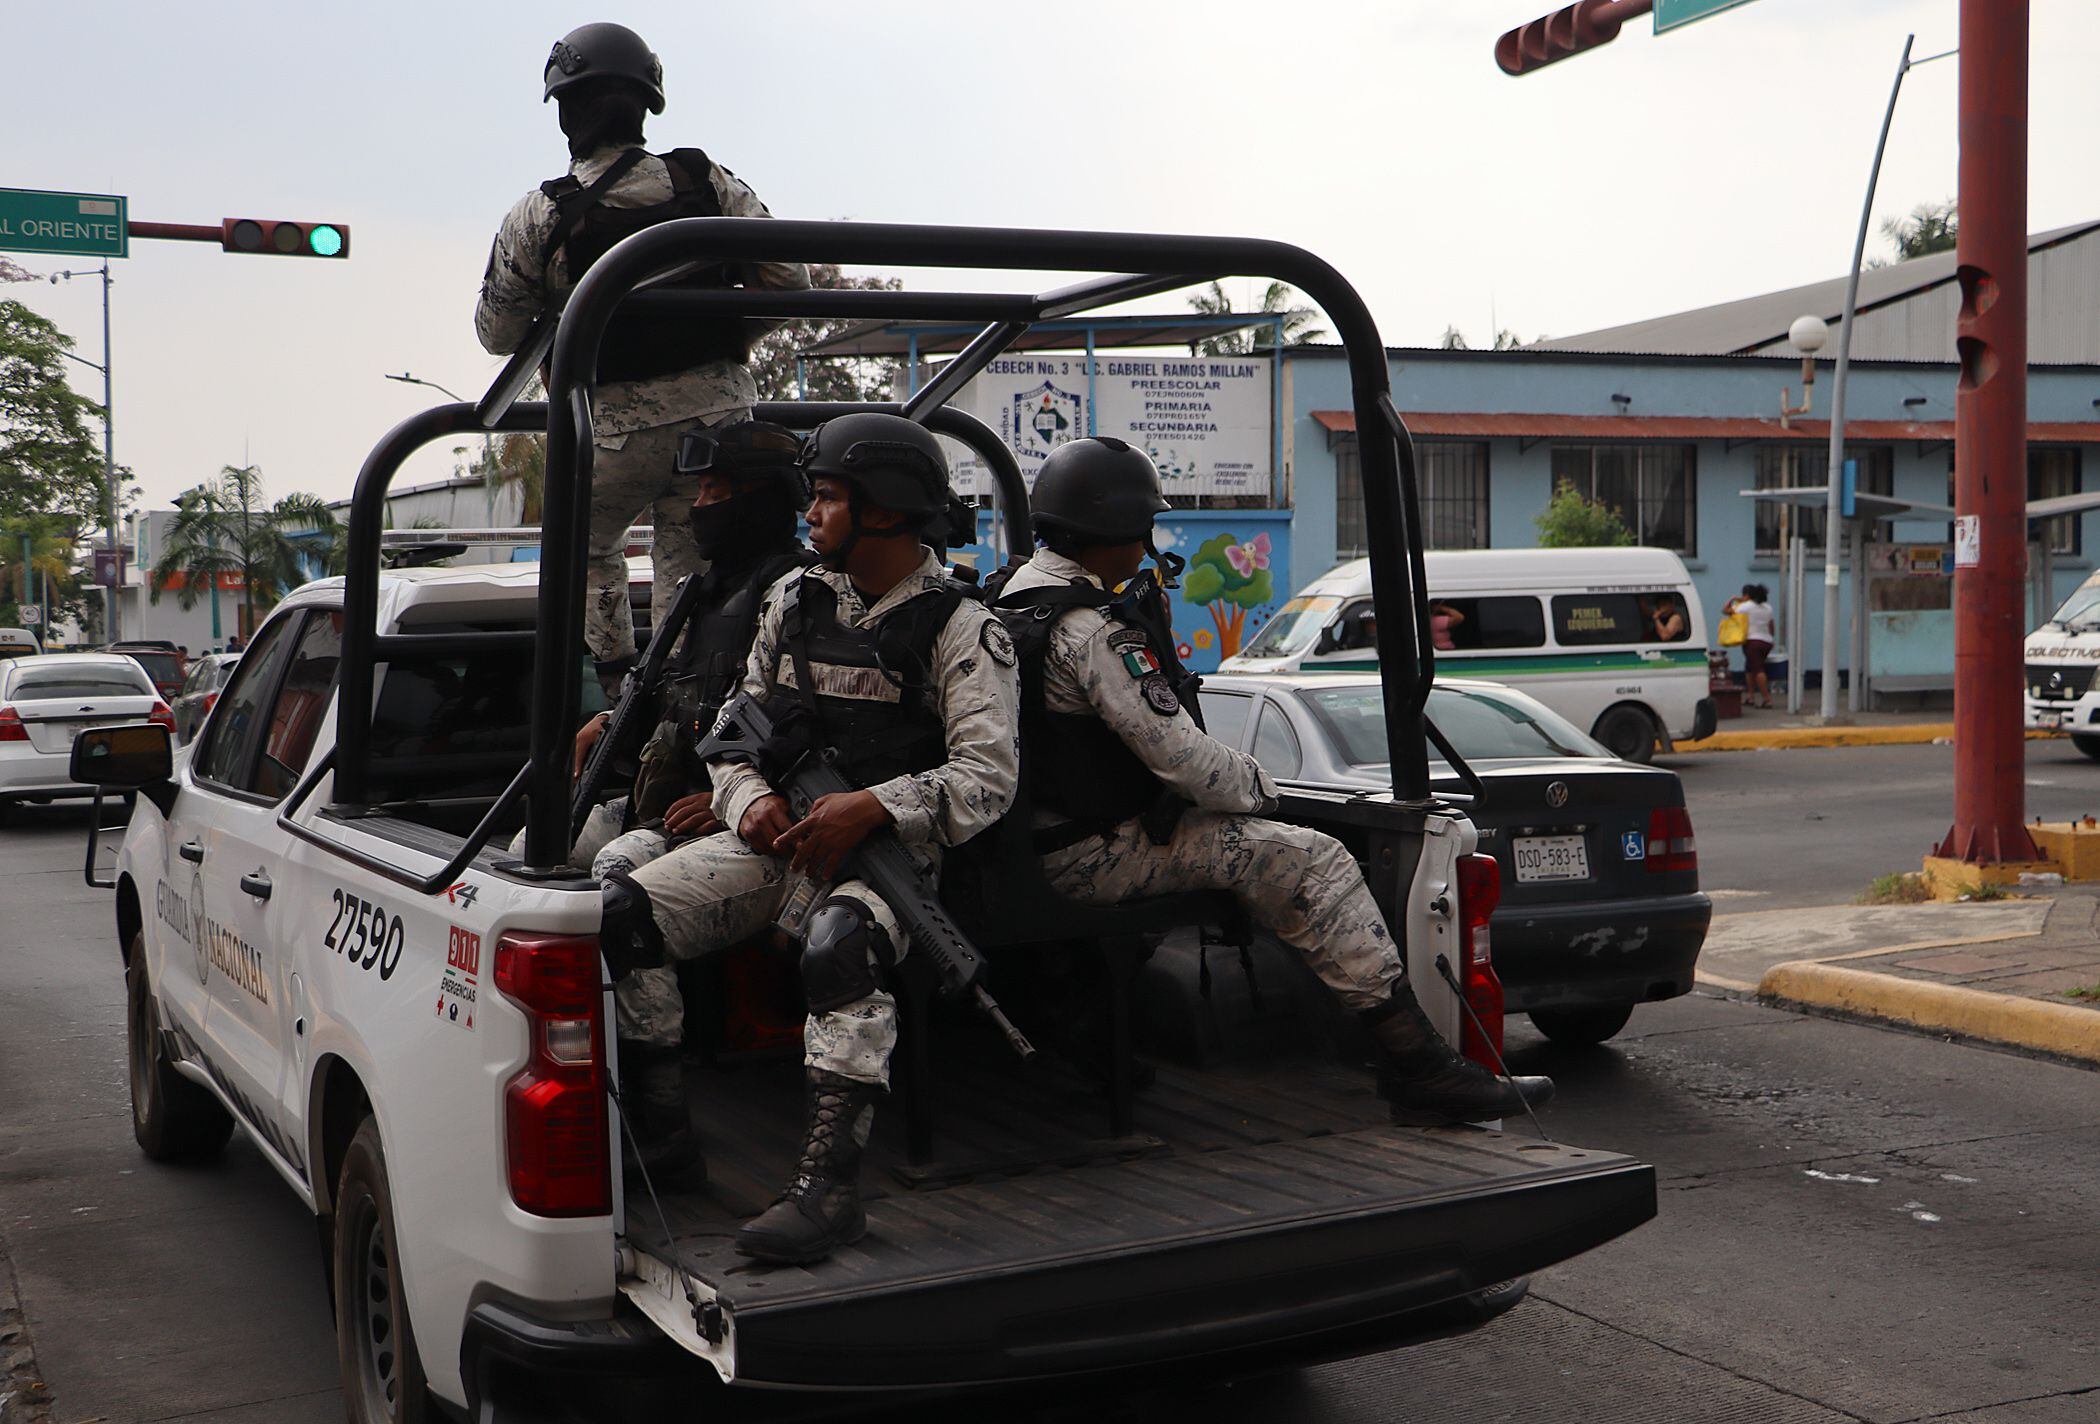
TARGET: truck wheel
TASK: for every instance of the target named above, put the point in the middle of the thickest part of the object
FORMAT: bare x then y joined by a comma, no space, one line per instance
173,1118
1628,733
2089,745
1583,1026
375,1345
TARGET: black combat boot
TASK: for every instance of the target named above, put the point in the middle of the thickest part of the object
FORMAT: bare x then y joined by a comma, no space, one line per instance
659,1136
820,1210
1427,1083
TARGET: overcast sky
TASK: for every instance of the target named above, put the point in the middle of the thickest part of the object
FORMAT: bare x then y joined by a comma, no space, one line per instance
1657,174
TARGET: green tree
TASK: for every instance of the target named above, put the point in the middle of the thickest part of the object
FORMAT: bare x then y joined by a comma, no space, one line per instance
841,379
1927,228
224,527
1228,577
1277,299
50,462
1570,521
49,541
1455,340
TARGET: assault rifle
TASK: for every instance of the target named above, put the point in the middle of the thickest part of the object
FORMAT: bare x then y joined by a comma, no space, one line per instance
802,772
638,692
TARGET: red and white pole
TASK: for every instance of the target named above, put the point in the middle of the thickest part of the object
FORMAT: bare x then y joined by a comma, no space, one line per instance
1990,440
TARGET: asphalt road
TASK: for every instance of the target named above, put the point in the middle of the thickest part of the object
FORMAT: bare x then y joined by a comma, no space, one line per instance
1855,1224
1814,826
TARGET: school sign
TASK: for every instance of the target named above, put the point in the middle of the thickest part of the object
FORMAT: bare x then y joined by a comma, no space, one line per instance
70,224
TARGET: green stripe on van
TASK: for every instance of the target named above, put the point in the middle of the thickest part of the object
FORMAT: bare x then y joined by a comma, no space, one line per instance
1540,664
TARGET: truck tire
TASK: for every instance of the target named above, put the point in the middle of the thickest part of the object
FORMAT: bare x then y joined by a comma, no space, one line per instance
1581,1025
375,1344
174,1119
1628,733
2089,745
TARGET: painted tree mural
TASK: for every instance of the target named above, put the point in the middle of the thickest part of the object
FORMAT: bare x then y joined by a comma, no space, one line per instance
1228,578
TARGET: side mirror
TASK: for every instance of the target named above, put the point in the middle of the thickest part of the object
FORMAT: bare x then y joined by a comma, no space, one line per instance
123,758
1329,640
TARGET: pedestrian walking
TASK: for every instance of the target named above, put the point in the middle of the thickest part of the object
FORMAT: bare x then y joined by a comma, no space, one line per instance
1757,639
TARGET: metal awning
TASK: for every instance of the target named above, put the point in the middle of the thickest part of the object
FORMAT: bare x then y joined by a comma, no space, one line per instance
1478,425
1877,506
931,338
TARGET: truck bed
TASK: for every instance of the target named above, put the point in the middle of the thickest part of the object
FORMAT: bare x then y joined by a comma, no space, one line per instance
1265,1209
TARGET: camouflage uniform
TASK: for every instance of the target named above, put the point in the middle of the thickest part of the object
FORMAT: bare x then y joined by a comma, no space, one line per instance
1300,884
635,425
711,893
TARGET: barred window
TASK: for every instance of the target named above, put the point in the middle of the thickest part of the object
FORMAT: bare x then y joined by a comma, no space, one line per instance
1654,488
1454,481
1807,466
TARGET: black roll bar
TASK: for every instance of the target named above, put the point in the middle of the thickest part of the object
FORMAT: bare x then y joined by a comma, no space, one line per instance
647,256
363,648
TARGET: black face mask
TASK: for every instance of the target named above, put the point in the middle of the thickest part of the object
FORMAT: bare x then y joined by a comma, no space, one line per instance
747,524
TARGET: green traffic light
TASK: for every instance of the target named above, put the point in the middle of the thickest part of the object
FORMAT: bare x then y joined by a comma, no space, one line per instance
326,241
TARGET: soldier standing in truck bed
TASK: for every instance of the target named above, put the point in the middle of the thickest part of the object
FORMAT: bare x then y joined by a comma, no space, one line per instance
659,375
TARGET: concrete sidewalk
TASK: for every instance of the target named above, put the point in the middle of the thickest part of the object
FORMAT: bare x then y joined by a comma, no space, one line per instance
1998,971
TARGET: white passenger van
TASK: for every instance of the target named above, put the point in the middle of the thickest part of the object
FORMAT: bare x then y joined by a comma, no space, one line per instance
1612,639
2061,656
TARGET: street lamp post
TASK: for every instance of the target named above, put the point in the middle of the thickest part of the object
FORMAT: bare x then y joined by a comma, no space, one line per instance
1837,405
109,445
488,443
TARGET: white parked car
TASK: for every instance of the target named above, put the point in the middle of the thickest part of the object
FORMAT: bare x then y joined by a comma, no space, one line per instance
45,701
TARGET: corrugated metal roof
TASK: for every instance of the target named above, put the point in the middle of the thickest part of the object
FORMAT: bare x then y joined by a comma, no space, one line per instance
1484,425
1753,322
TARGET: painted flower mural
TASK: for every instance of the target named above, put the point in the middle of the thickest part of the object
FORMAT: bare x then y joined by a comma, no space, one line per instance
1228,577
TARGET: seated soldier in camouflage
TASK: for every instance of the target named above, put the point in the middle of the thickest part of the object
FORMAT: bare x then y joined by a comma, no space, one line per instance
1106,738
910,681
750,496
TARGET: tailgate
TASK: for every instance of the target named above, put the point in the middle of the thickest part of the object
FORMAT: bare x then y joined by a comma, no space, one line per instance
1158,1258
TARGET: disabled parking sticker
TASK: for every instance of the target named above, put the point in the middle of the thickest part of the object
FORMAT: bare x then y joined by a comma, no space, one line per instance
1634,845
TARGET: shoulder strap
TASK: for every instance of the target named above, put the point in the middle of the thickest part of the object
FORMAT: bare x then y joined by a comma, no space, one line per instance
572,200
794,628
692,172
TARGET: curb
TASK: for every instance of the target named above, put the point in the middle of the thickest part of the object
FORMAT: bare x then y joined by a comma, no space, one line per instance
1908,734
2057,1029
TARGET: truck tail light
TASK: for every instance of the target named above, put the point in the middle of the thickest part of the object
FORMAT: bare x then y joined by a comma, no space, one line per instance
11,728
1670,842
160,716
556,1143
1479,892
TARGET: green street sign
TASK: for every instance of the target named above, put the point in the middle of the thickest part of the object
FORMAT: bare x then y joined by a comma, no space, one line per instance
72,224
1669,14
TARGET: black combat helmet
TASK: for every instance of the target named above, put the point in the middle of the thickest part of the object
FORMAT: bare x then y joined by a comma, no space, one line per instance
1101,489
893,463
605,51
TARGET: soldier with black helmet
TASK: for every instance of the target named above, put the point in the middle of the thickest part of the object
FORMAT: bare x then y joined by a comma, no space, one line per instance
659,375
1133,799
910,681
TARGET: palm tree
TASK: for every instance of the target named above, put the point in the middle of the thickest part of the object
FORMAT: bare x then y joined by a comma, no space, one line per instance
223,527
48,541
1276,300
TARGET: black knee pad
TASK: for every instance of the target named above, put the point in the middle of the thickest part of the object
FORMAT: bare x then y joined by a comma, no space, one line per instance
839,947
628,934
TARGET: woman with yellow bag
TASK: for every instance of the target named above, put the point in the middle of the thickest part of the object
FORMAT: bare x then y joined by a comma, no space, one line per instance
1747,619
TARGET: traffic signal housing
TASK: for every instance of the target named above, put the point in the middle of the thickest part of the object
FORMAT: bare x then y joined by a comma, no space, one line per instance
1570,30
271,237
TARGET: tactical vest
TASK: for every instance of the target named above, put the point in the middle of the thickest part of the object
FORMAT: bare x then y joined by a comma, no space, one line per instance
717,646
869,689
1072,764
639,345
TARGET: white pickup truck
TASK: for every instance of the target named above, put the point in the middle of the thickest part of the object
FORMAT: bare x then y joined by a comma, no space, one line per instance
326,942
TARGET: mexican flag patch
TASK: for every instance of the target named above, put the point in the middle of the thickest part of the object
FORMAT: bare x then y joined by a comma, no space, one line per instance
1141,663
